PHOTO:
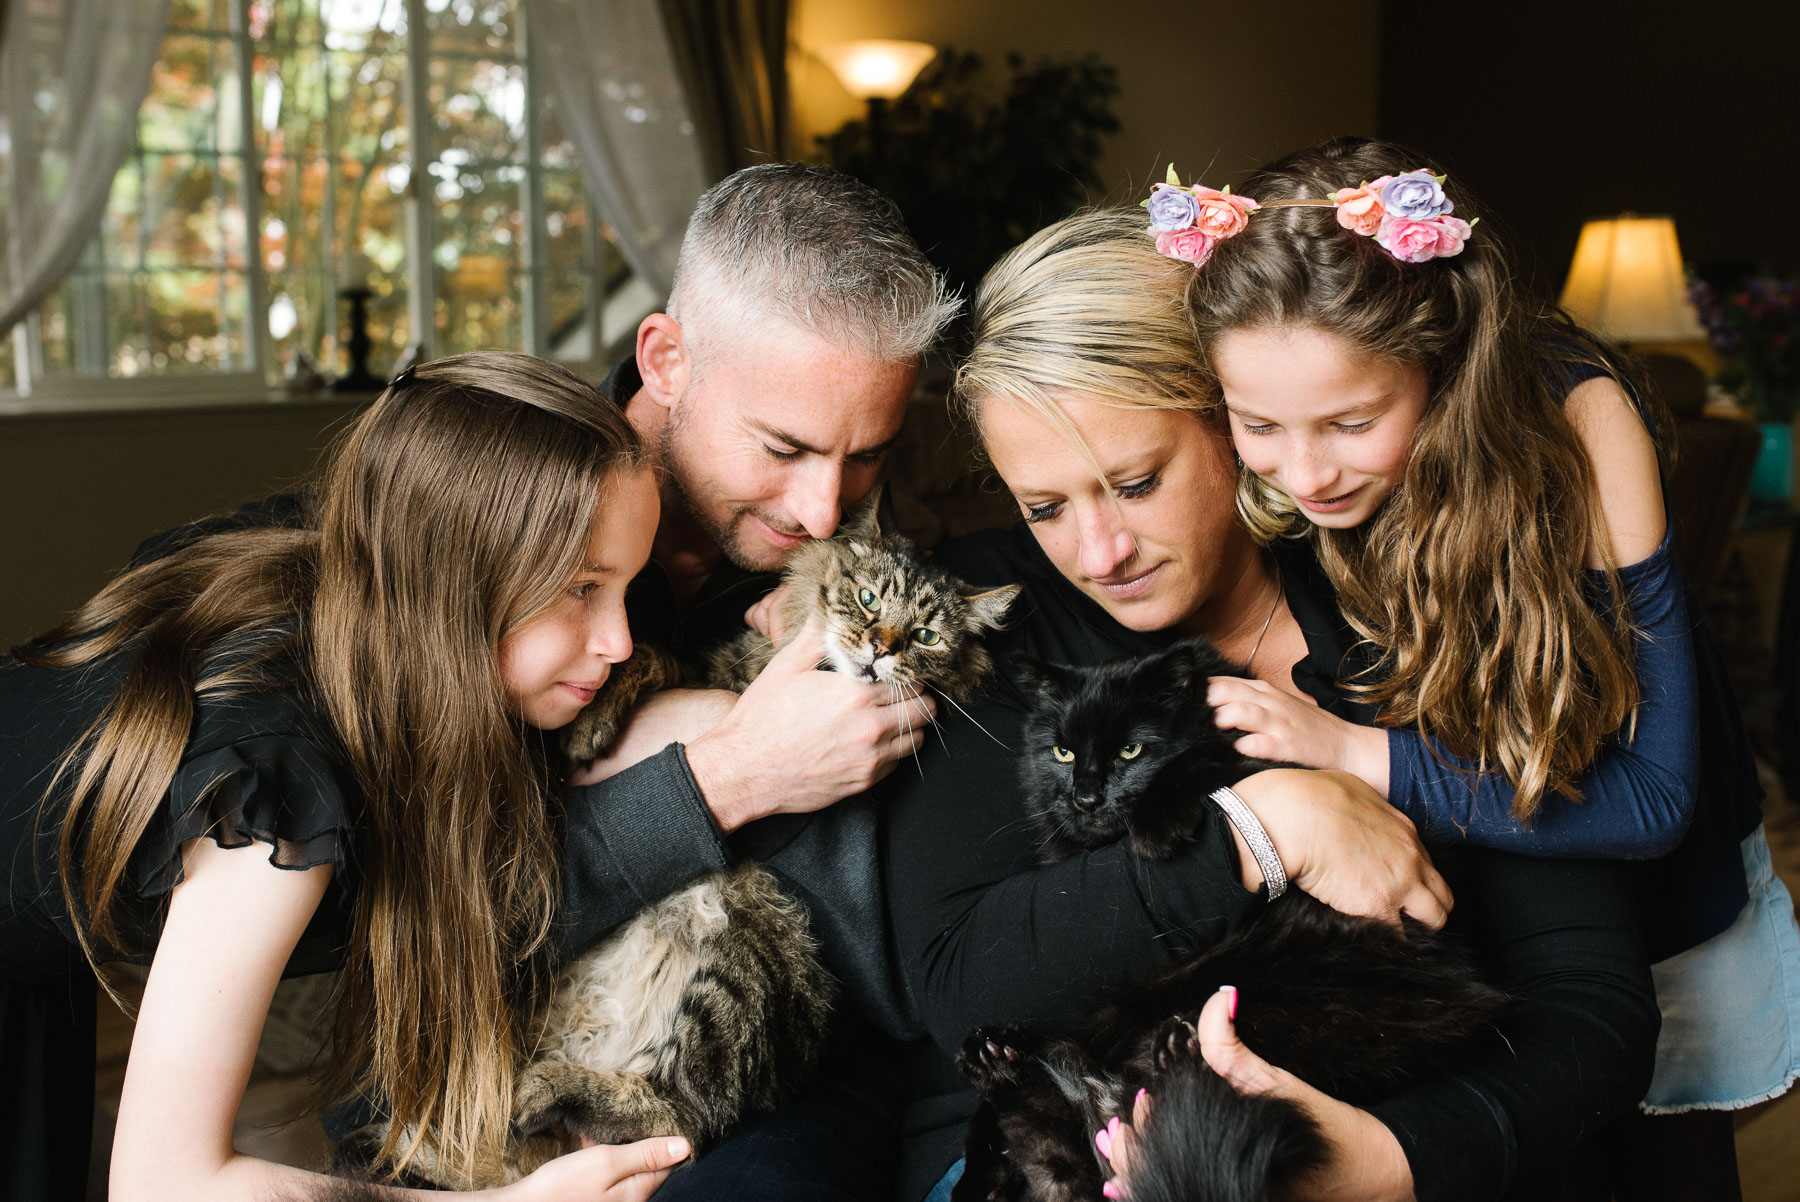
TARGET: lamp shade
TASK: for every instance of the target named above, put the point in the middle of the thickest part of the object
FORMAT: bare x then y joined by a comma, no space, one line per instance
872,70
1626,281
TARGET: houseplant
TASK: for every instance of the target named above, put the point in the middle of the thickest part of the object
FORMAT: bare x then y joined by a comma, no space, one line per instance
1755,328
978,160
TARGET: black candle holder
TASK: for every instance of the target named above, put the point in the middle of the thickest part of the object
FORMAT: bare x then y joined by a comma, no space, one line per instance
359,378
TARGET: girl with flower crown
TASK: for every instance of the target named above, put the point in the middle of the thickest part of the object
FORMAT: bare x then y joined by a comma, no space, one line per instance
310,738
1480,482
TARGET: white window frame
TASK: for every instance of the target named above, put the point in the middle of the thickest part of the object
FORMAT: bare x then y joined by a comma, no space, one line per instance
613,319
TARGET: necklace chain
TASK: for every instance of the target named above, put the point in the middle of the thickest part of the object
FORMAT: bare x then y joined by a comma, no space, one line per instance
1280,591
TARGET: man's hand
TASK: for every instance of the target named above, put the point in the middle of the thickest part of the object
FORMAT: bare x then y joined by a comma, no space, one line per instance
671,716
1340,842
1280,726
799,739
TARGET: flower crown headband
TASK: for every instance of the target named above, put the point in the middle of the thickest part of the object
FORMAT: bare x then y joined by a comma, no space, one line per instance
1408,214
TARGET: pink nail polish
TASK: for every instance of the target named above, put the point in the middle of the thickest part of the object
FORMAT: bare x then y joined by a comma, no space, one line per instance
1103,1141
1230,992
1111,1190
1139,1100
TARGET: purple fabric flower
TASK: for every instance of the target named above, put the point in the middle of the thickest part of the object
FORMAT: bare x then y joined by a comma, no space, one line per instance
1172,208
1415,196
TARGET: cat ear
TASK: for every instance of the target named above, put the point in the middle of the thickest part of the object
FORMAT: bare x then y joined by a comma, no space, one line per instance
1176,669
863,524
1045,679
989,608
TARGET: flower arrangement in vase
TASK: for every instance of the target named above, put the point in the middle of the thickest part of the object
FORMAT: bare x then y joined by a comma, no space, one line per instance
1755,328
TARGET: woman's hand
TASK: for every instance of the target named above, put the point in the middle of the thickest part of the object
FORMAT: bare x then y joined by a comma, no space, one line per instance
1365,1162
1280,726
1341,843
609,1172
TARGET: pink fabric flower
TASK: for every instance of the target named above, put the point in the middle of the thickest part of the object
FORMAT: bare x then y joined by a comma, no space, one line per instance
1222,215
1418,241
1360,209
1192,245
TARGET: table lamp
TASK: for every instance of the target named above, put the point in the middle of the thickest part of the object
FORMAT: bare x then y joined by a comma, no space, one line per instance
1626,282
877,71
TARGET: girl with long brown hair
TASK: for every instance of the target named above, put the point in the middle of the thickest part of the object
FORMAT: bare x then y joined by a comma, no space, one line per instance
1480,481
315,739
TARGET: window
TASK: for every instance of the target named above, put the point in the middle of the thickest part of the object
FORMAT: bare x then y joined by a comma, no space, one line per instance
348,135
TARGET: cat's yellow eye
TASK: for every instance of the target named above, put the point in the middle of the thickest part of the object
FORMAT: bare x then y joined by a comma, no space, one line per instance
924,636
868,600
1063,755
1131,751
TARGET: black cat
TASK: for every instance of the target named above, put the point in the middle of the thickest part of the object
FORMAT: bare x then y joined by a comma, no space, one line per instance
1355,1007
1125,748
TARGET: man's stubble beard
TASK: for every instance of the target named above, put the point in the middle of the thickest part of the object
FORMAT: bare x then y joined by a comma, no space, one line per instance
678,470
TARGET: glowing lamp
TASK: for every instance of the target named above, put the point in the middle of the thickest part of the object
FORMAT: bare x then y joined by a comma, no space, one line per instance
877,69
1627,282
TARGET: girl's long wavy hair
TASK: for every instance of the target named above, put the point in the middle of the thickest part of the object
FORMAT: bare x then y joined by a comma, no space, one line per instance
1469,582
454,509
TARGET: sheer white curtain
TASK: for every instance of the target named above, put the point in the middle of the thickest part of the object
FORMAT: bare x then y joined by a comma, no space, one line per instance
72,76
613,79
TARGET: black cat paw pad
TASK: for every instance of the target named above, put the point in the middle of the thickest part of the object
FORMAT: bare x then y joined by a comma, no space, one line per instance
1175,1041
990,1055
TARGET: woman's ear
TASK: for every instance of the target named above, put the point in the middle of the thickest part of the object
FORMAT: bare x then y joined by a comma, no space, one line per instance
663,359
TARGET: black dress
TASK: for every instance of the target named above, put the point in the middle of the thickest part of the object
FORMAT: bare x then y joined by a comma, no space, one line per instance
256,769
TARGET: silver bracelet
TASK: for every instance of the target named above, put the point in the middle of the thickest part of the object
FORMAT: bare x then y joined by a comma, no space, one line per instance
1274,875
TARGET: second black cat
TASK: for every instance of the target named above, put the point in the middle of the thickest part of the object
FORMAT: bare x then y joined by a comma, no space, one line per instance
1129,749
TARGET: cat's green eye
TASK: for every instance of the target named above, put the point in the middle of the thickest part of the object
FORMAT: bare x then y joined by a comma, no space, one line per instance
1131,751
1063,755
868,600
924,636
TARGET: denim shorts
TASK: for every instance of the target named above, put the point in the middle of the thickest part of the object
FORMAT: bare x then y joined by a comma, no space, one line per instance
1731,1006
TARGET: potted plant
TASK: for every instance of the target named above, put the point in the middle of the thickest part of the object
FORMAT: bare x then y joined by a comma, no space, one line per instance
1755,328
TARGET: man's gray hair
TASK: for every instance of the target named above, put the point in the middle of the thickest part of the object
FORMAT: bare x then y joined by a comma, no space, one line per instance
814,248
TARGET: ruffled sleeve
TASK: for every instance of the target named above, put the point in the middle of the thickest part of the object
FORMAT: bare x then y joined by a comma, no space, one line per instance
282,790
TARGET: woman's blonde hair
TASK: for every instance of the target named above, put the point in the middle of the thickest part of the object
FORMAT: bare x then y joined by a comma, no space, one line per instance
1083,306
454,509
1469,582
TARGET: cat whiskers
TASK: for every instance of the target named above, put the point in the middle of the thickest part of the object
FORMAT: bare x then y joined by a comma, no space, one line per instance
965,713
907,693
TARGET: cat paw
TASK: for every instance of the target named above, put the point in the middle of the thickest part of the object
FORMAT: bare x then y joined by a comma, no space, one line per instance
537,1103
992,1056
592,732
1175,1041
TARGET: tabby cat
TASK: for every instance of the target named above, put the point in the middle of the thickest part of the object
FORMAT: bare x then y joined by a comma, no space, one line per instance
1350,1005
888,616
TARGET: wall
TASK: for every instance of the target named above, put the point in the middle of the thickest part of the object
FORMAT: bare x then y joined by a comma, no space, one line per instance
1216,87
77,494
1558,112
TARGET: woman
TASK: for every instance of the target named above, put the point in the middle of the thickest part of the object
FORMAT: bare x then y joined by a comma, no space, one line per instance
316,739
1086,391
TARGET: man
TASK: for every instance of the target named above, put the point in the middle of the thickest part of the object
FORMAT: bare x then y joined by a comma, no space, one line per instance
771,390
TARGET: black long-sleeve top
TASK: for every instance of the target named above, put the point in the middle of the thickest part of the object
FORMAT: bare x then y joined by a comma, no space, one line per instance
984,935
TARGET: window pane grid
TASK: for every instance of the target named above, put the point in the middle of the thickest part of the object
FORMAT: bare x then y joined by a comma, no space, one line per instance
317,146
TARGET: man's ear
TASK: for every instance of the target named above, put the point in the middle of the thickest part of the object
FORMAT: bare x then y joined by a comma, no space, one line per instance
663,359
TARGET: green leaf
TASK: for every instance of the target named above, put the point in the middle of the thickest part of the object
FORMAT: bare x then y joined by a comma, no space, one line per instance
1173,178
